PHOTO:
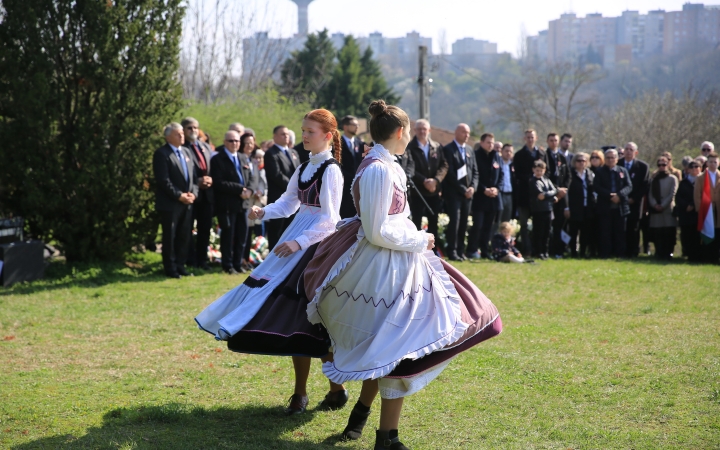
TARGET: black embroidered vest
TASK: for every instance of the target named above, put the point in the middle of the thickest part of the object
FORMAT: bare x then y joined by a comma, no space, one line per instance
309,191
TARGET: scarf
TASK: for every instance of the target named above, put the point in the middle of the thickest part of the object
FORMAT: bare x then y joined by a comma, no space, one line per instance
656,186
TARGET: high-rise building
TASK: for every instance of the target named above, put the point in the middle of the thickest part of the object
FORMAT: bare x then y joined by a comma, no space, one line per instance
572,38
470,46
696,25
632,36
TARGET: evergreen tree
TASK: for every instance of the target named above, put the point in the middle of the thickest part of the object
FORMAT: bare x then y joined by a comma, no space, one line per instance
375,84
309,70
85,88
346,90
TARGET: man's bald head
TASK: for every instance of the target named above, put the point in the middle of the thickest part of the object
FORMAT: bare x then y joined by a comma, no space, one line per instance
462,133
232,141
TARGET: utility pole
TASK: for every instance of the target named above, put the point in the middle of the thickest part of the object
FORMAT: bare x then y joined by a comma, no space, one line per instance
423,84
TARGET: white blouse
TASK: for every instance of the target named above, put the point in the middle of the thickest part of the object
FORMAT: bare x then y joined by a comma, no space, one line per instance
377,188
330,198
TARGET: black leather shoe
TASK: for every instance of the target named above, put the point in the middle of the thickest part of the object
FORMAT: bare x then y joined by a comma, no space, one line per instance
240,269
463,258
231,271
454,257
334,400
183,272
174,275
383,441
297,404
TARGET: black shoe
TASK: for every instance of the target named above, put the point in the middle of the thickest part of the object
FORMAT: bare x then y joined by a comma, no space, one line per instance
296,405
334,400
240,269
231,271
173,275
204,266
454,257
183,272
463,257
356,423
383,441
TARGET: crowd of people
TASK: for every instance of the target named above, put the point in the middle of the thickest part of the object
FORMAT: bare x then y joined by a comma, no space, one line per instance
566,204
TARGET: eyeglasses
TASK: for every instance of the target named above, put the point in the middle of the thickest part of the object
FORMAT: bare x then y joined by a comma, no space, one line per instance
662,165
706,149
232,140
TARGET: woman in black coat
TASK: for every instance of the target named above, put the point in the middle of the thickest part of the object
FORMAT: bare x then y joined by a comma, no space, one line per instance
581,205
687,215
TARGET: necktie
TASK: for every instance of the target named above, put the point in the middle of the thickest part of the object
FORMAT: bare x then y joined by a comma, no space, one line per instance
200,158
181,157
237,167
287,154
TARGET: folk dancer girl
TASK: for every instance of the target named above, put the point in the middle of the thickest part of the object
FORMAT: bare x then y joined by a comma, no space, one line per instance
396,314
267,313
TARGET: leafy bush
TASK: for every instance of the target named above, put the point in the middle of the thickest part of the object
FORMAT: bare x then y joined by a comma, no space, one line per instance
85,88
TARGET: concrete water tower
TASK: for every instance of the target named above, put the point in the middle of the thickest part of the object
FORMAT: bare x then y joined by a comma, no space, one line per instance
302,16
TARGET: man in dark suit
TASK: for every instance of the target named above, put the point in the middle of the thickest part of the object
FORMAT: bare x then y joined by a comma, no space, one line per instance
523,163
430,171
234,184
280,164
487,202
559,174
176,191
639,177
352,151
203,204
458,189
613,186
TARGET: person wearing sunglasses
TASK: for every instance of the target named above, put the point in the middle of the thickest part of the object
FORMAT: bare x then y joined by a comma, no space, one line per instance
235,184
706,148
661,201
580,211
687,214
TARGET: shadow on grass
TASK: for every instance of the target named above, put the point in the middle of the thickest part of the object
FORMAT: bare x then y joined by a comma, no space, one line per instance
61,275
178,426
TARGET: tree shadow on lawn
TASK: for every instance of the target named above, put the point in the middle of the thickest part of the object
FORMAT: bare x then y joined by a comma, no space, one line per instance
62,275
178,426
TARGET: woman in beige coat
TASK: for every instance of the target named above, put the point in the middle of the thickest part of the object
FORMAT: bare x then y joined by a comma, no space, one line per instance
661,199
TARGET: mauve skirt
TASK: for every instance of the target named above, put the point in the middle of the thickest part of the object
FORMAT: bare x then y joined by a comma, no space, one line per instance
476,309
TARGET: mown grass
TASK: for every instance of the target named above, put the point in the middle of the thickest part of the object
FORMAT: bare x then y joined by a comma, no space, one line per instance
595,354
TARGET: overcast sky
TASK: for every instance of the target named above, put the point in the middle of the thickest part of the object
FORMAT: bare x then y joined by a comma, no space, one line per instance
498,21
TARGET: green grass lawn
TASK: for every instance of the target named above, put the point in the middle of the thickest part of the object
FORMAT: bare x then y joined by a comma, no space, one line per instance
595,354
